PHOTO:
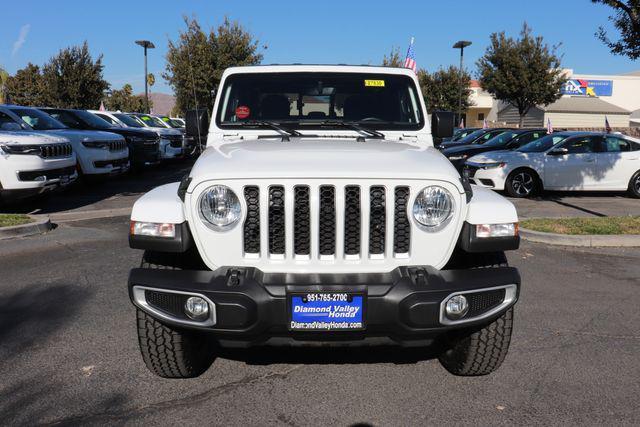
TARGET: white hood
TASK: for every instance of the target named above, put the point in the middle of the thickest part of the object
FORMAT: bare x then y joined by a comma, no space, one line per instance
27,137
86,135
501,156
323,158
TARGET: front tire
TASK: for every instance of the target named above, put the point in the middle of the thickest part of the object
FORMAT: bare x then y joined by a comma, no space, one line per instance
634,185
522,183
169,351
480,351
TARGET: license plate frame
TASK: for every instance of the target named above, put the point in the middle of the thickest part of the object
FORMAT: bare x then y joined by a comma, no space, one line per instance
301,321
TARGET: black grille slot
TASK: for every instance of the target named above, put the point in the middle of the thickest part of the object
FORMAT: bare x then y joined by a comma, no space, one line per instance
401,227
327,231
377,220
481,302
301,220
276,220
168,302
252,223
352,223
55,150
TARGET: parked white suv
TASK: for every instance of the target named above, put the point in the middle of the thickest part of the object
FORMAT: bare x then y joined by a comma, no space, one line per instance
97,153
32,162
320,212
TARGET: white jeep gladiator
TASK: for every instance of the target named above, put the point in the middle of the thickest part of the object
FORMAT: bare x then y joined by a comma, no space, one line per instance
321,213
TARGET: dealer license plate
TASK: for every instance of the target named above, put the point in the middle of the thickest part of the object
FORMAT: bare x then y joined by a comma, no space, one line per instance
325,311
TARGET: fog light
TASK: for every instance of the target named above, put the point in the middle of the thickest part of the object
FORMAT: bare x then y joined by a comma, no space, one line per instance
456,307
196,308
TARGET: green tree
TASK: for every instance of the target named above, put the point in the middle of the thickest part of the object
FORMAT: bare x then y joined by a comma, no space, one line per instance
393,59
627,22
522,72
196,61
4,76
441,89
25,87
72,79
124,100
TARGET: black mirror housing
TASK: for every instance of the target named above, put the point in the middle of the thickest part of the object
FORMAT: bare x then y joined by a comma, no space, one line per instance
197,123
442,124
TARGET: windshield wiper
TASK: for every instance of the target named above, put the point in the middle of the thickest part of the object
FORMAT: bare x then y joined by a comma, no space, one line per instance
285,133
355,126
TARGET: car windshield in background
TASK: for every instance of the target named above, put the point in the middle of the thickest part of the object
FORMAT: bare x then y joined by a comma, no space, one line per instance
500,140
380,101
92,120
128,120
472,136
152,121
37,119
170,122
542,144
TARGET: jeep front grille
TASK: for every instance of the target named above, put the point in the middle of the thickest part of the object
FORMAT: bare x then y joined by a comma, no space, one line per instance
55,150
350,221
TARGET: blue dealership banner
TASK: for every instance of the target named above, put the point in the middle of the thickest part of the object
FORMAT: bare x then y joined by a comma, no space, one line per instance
583,87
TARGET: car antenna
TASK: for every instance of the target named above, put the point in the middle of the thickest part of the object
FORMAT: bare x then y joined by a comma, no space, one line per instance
195,100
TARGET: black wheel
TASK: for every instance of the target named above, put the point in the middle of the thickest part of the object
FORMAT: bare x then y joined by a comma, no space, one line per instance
634,185
169,351
522,183
479,350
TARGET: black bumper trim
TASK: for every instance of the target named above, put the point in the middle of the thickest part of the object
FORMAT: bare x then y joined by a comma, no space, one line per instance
251,306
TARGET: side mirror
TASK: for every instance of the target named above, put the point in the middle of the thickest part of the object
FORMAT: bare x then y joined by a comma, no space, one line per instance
558,152
11,126
442,124
197,123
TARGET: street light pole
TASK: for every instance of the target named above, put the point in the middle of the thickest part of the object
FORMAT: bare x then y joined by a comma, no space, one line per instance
146,44
460,45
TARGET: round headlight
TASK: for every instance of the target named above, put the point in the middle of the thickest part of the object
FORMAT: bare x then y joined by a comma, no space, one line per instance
433,207
220,207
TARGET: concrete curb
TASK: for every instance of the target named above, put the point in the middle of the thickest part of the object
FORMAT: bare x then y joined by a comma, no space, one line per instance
590,241
39,226
85,215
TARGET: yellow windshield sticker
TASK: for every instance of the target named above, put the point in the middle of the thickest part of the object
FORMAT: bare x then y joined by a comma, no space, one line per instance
374,83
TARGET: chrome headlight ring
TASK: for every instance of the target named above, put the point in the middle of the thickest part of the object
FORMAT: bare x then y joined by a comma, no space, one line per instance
219,208
433,208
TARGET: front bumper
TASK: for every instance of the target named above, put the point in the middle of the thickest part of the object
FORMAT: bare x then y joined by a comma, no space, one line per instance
252,307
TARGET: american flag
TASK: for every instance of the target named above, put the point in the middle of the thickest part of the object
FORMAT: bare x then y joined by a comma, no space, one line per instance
485,125
461,125
607,126
549,125
410,61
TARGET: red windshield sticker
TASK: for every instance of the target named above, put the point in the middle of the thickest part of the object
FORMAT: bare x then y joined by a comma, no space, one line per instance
242,112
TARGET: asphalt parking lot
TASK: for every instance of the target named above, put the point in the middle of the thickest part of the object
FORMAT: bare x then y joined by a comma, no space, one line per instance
69,352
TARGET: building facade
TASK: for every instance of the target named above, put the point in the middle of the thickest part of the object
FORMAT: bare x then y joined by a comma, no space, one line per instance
586,100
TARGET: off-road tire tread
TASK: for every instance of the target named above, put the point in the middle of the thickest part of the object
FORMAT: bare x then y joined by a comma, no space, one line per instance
482,351
171,352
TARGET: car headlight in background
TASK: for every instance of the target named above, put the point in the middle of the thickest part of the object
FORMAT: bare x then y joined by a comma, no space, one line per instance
492,165
219,207
433,207
104,145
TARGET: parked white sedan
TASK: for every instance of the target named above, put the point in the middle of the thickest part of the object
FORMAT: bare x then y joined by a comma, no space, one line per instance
566,161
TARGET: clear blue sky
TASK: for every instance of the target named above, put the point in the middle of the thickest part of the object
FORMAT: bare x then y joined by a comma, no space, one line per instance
355,32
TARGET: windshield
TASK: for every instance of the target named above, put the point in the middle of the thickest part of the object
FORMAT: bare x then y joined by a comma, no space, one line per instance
472,136
500,140
128,120
542,144
92,119
170,122
152,121
37,119
380,101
